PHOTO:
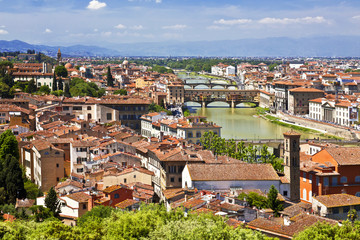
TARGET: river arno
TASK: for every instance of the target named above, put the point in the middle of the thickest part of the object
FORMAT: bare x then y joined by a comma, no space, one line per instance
241,123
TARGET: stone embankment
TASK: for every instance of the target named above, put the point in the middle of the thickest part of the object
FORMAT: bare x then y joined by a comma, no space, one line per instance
331,129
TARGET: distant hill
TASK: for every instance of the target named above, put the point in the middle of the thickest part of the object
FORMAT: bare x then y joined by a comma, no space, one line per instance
76,50
338,46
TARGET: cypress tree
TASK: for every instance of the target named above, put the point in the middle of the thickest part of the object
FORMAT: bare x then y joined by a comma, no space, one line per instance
54,83
52,202
31,88
60,84
14,182
110,80
67,90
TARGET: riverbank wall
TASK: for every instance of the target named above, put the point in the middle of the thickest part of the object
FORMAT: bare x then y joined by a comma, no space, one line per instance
330,129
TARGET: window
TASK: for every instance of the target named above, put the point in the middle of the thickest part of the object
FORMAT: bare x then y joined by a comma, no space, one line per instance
317,181
172,169
116,195
172,179
57,165
198,134
304,194
80,170
124,180
134,176
57,179
77,108
190,135
65,108
346,209
285,193
108,116
180,179
57,153
334,181
180,169
304,176
310,178
326,181
89,108
357,179
84,206
343,179
335,210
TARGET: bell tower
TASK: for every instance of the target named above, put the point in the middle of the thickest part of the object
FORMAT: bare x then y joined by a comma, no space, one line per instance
59,57
292,163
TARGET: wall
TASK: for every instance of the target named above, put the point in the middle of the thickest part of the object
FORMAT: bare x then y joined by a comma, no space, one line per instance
340,132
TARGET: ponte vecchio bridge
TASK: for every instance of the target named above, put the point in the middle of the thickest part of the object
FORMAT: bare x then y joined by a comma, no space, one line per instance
232,97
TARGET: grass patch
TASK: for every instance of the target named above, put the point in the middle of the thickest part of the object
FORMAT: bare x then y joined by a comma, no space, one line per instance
299,128
331,136
262,111
250,104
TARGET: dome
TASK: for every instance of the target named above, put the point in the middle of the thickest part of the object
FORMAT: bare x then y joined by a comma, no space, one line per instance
68,65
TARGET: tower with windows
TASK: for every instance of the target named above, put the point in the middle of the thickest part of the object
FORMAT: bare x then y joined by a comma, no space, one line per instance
292,163
59,60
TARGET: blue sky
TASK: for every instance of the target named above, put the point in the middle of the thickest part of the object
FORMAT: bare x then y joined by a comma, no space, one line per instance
110,22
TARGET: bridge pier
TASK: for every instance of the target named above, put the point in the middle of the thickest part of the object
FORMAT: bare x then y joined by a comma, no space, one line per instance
203,104
232,104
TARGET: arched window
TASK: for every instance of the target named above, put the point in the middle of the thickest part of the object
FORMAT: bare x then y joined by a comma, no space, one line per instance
89,108
304,194
343,179
198,134
357,179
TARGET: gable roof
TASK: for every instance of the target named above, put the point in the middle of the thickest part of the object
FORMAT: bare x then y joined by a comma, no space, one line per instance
345,155
338,200
232,172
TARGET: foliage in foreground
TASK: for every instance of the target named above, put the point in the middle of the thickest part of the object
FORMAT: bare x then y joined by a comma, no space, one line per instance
151,222
324,231
250,154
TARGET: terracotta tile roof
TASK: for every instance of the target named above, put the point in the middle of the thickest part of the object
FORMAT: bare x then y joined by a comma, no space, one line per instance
173,192
338,200
291,133
232,172
302,89
79,197
113,188
69,182
126,203
231,207
345,155
194,203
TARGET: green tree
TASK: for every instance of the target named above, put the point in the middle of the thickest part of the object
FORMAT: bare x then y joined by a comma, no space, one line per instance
352,215
61,84
254,199
5,90
41,213
61,71
67,90
273,201
109,78
8,145
31,87
32,190
44,89
14,183
52,202
97,214
120,92
54,83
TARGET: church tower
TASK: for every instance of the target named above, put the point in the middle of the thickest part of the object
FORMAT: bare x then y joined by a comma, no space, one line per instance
292,163
59,60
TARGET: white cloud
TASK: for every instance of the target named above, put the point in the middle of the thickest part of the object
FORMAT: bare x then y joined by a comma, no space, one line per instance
96,30
233,21
158,1
95,5
304,20
175,27
106,34
2,26
137,27
48,30
356,17
3,32
120,26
